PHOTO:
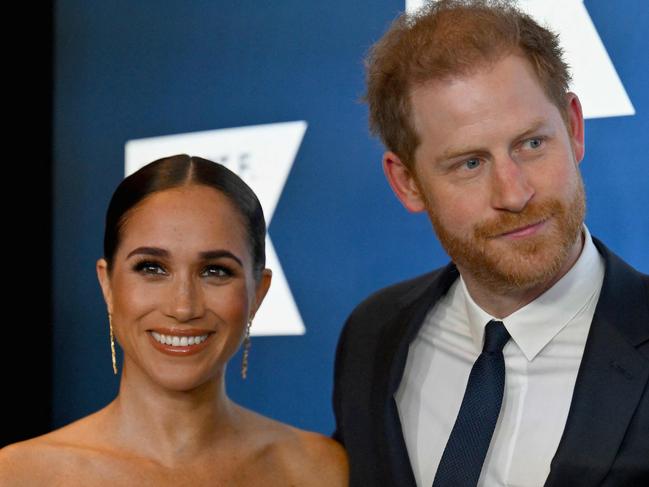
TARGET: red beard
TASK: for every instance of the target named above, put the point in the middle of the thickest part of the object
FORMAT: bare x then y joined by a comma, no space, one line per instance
514,264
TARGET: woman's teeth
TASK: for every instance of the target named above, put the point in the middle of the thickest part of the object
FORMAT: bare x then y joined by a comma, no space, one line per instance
176,341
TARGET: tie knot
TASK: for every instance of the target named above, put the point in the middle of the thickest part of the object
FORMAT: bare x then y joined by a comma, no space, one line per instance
496,336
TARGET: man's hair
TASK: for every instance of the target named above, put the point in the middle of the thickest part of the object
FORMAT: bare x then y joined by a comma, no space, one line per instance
446,39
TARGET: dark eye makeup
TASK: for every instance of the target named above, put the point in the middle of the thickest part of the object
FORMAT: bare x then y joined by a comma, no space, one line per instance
217,270
152,267
147,266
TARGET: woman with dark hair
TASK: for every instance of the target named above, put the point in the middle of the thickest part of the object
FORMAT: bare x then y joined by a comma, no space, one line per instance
183,274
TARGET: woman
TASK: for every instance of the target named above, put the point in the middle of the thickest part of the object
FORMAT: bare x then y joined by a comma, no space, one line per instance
182,276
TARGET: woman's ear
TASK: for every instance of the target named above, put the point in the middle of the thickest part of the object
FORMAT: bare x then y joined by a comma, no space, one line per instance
104,281
262,289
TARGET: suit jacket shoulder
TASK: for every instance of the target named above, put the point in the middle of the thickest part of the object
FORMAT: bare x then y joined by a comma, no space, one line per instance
366,320
370,358
606,438
382,314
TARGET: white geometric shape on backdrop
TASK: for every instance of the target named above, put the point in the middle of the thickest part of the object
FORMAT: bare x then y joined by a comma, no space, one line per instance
262,155
594,77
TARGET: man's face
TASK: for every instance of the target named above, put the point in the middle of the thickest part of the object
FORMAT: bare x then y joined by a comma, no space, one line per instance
496,170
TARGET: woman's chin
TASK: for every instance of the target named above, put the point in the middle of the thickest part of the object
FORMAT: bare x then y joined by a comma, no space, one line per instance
185,379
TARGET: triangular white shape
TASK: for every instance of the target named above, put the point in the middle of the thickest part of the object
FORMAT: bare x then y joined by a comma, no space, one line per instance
262,155
595,79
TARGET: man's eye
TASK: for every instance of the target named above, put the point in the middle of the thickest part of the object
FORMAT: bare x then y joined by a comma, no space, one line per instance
472,163
534,143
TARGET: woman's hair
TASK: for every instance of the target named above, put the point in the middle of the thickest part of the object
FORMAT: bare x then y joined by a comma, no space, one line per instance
183,170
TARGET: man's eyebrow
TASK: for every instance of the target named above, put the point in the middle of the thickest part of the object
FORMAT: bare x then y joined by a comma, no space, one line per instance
206,255
534,126
456,152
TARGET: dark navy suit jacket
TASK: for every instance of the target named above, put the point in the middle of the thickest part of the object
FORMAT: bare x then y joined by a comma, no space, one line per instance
606,438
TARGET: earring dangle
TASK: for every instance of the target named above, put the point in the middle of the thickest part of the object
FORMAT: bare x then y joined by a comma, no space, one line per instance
112,344
246,351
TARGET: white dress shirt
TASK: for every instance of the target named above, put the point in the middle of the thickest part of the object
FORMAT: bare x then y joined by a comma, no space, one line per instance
542,358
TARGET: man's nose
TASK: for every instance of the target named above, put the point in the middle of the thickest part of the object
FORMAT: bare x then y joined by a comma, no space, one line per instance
511,189
185,301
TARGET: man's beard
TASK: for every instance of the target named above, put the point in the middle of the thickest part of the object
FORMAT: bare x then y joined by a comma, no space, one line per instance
503,265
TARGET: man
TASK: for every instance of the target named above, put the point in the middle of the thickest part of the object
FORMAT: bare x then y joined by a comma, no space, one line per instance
525,361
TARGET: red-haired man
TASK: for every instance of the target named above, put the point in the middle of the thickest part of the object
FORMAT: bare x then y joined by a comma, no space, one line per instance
526,360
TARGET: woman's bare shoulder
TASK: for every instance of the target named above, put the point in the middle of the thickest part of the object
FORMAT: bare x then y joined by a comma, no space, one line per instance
48,458
16,461
32,462
310,459
322,456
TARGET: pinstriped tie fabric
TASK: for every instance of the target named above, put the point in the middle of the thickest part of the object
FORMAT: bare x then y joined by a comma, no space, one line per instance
467,446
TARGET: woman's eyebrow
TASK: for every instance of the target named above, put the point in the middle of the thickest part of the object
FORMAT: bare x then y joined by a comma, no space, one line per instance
216,254
208,254
155,251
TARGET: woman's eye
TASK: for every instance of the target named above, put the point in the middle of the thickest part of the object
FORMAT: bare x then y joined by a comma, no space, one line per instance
147,267
217,271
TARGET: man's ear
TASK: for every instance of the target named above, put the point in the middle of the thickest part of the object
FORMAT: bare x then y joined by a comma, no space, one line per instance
575,126
104,282
403,182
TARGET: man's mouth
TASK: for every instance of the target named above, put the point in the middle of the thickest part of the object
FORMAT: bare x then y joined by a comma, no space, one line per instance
523,231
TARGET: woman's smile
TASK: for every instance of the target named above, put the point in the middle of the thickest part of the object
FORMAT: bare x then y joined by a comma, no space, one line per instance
180,343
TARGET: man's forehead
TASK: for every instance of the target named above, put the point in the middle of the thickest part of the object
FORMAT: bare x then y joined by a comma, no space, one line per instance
492,108
512,81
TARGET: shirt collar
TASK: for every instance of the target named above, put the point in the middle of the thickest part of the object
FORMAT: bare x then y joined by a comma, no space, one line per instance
533,326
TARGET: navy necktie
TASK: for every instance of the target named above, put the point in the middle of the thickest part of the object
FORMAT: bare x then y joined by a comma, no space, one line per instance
467,446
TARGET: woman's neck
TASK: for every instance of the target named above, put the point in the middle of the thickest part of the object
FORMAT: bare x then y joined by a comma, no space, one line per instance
170,426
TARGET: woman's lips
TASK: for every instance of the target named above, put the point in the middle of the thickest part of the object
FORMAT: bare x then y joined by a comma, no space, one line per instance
179,342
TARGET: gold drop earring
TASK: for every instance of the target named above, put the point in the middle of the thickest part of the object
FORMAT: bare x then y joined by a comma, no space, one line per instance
246,350
112,343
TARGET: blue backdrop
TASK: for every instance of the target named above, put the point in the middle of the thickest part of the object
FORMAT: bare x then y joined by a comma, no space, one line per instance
128,70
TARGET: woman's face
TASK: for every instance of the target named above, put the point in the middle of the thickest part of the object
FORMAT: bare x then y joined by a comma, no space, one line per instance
182,289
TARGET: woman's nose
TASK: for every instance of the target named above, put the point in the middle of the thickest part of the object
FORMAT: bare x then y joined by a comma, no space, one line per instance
186,300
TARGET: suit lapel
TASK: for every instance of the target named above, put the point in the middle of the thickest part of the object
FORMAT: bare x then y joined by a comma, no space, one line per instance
393,353
611,378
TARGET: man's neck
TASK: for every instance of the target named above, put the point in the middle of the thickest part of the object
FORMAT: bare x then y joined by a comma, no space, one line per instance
502,304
